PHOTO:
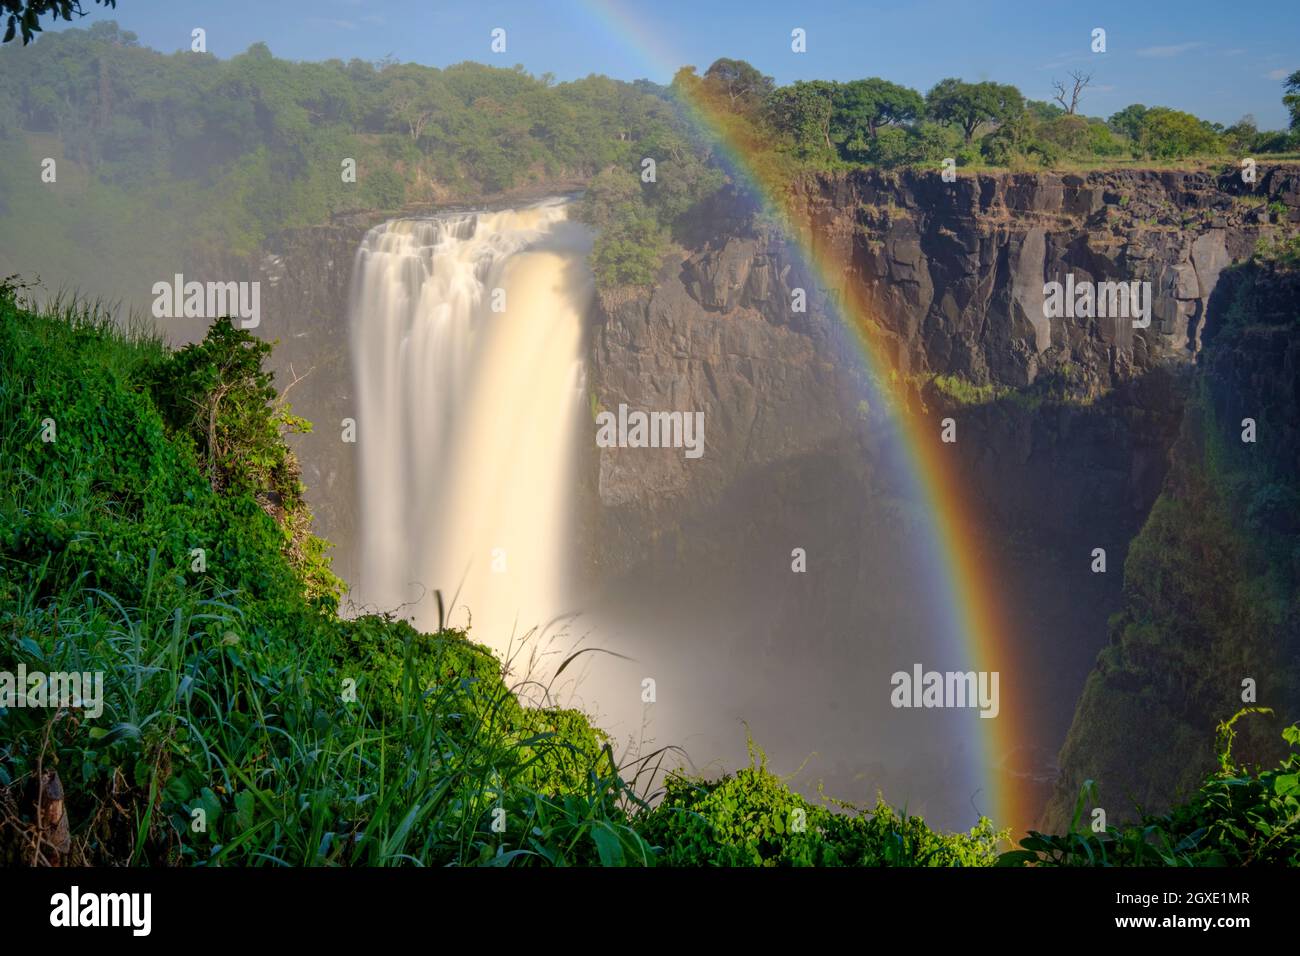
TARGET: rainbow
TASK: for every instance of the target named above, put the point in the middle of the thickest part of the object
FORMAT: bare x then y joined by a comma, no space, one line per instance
971,609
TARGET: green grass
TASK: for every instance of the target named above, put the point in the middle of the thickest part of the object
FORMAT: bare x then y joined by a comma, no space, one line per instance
229,691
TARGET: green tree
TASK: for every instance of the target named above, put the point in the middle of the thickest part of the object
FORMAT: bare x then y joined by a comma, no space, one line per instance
802,112
1240,137
742,86
1292,98
1101,139
630,247
1069,131
1129,120
968,105
861,108
872,103
1021,139
609,191
26,14
1173,134
1042,110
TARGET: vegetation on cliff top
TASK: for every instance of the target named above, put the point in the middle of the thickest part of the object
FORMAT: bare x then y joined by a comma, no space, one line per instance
786,132
187,155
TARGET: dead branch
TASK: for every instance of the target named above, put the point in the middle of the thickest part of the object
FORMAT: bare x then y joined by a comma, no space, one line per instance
1079,81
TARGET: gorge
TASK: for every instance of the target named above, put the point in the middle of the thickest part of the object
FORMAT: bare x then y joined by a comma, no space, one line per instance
1066,436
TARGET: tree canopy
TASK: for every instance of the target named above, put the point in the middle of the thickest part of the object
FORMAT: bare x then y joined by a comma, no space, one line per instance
968,105
25,15
1292,98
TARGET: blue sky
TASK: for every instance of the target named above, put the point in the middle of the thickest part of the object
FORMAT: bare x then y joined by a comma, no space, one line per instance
1217,60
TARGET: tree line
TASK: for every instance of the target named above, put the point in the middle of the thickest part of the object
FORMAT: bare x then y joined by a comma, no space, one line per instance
163,152
878,122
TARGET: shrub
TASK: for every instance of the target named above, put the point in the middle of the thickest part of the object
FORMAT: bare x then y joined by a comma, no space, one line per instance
1236,818
1171,134
752,818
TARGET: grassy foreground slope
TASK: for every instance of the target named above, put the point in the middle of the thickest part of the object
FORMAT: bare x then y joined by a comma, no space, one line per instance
152,528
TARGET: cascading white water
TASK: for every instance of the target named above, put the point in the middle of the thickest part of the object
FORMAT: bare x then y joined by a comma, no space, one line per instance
467,349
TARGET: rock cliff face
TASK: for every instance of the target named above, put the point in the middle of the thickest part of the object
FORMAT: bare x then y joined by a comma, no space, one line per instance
1065,447
1210,617
955,270
953,275
1065,423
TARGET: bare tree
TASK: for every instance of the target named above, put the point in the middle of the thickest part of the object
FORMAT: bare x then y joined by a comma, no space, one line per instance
1080,83
409,105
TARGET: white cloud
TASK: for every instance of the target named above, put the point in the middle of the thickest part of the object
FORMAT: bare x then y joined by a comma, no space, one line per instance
329,22
1281,74
1177,49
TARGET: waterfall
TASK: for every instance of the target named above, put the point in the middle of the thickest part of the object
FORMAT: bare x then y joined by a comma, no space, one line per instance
467,336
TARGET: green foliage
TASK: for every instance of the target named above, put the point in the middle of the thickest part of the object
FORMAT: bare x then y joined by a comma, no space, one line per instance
964,392
629,249
1210,582
215,396
969,105
874,102
1043,111
384,188
1102,141
752,818
1291,99
26,14
1172,134
1128,121
1235,818
634,215
306,739
190,157
865,108
1043,138
742,86
1279,252
802,113
187,158
1242,135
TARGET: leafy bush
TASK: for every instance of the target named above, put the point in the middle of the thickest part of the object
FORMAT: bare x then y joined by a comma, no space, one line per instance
1172,134
633,218
1236,818
752,818
628,250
